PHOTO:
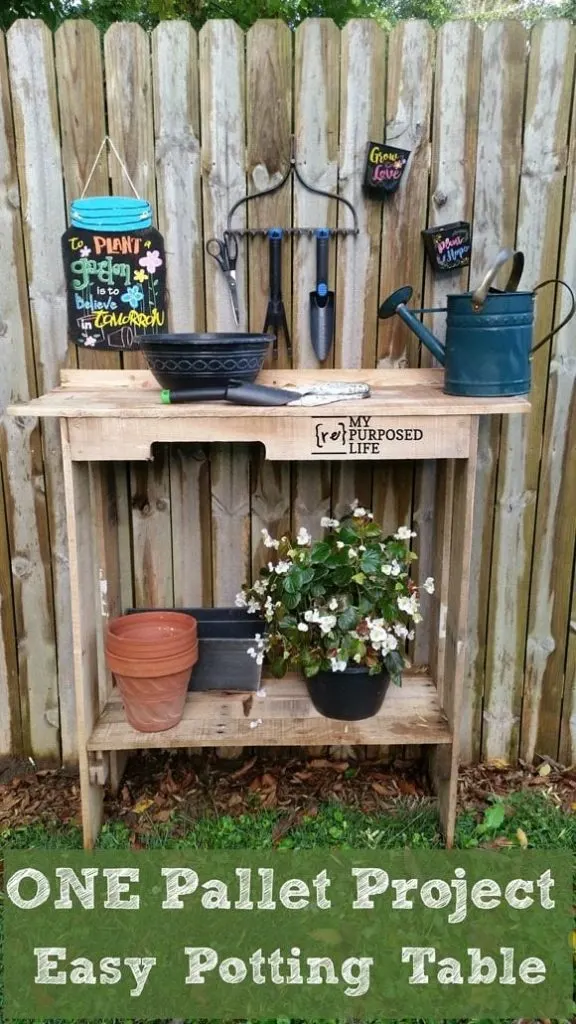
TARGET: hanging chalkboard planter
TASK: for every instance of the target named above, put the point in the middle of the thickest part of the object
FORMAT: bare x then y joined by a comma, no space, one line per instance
449,246
115,268
384,168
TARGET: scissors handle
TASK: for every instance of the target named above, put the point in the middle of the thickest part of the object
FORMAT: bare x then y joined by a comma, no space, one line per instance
216,247
231,246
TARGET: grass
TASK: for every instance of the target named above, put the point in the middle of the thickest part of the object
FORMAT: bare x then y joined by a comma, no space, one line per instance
524,816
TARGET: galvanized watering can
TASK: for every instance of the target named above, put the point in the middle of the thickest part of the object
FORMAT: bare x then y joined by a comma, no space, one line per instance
488,346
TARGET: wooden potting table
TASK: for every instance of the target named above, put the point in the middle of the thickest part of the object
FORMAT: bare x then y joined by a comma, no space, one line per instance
110,415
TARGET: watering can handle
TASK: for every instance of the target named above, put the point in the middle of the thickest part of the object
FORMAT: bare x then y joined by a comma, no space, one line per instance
570,314
479,295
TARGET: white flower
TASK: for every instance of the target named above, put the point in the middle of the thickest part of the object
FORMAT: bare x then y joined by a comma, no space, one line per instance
387,569
253,606
400,630
240,600
333,604
261,586
255,723
404,533
354,504
268,609
304,537
417,617
408,604
309,615
352,553
429,585
359,512
269,541
377,633
361,547
395,568
338,665
329,524
252,652
302,627
283,567
340,544
326,623
410,635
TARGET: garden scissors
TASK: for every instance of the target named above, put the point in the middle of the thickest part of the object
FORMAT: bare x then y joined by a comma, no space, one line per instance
225,252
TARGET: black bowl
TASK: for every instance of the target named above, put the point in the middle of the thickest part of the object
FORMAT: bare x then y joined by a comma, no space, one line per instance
181,361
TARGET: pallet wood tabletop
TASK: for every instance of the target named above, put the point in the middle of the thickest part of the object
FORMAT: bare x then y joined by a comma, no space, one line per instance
284,716
126,394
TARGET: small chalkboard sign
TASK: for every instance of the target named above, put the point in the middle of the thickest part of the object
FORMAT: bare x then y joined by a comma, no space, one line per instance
449,246
116,283
384,168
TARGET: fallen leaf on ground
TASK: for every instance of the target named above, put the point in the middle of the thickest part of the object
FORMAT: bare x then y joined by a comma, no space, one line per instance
142,805
380,789
240,772
498,762
522,838
544,769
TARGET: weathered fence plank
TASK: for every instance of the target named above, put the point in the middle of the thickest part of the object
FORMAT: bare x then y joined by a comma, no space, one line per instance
268,130
539,219
555,533
81,108
130,126
177,139
567,753
504,56
33,91
222,80
454,133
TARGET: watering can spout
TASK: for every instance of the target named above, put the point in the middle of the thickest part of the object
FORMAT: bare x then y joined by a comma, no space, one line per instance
396,304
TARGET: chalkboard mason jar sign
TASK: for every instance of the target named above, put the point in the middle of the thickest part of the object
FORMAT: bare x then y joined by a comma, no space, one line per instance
449,246
384,168
115,267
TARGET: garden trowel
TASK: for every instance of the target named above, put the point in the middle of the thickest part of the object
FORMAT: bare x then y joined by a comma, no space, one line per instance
322,301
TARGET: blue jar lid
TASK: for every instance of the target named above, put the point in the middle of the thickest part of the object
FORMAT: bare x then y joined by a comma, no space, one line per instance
111,213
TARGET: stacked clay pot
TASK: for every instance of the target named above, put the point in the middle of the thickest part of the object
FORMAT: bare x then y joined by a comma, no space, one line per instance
151,655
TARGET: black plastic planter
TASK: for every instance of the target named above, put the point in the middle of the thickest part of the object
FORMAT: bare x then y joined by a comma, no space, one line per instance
348,696
449,246
384,169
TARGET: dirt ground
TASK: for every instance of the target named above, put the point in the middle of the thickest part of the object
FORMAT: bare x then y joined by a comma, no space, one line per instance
161,783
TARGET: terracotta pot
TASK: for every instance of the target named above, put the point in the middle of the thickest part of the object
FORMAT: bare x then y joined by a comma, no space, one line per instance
143,667
144,649
152,634
153,692
151,627
154,704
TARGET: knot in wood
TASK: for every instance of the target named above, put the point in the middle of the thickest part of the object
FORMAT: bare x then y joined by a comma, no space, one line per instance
439,197
13,197
3,328
22,567
162,504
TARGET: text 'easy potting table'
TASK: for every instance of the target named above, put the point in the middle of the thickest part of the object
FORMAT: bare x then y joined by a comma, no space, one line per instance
111,415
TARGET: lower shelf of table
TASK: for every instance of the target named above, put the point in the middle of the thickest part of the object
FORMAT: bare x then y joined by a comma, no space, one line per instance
283,717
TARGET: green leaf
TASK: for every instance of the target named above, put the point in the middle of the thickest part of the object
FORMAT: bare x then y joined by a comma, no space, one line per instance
320,552
359,577
318,590
348,534
493,817
348,619
371,561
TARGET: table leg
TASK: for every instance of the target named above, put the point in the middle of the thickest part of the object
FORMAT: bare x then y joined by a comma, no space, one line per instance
453,552
85,616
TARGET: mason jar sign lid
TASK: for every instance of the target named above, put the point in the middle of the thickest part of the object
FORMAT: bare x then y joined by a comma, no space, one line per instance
111,213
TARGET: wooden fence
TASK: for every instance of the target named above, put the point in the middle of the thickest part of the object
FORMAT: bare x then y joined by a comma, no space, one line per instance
199,120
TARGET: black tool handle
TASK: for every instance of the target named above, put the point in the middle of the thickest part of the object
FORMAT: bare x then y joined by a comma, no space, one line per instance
275,241
322,250
193,395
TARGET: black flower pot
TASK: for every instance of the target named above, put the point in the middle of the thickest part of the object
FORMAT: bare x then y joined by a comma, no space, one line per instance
348,696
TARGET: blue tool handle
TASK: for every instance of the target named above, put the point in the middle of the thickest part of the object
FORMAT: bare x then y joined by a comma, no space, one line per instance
322,243
275,243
